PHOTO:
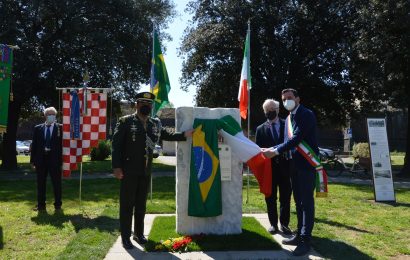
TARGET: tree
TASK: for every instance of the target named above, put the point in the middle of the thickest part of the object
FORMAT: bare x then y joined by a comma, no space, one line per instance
59,40
304,45
381,69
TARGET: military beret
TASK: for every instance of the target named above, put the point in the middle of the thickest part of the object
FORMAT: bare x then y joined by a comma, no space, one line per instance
145,96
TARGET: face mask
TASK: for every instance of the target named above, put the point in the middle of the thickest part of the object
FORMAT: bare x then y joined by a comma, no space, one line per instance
289,104
145,110
50,119
270,115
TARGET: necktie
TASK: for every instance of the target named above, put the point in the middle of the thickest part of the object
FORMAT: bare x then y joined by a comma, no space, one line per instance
48,137
292,119
275,133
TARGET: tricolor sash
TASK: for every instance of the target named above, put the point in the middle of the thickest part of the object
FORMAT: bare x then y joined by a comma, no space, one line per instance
307,152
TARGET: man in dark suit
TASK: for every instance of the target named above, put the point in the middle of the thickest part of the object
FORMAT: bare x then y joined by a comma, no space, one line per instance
132,153
270,134
300,126
46,158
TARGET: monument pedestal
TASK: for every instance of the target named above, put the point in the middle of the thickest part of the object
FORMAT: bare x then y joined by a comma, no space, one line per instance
231,219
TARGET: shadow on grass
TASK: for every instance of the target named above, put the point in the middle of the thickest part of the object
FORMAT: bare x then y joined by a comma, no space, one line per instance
337,224
79,221
92,190
334,249
396,204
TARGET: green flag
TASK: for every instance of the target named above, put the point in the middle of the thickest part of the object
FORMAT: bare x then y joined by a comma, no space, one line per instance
6,61
205,176
160,86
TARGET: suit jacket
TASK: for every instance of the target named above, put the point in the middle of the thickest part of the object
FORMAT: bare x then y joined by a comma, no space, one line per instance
264,138
129,144
304,129
38,146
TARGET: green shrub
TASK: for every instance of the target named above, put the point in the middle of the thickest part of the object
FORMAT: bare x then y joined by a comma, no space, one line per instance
361,150
101,152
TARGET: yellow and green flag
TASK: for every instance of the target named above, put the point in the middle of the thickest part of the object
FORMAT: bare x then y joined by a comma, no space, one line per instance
160,85
205,179
6,61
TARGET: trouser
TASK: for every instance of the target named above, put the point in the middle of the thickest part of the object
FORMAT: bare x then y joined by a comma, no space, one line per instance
281,181
46,168
303,186
133,200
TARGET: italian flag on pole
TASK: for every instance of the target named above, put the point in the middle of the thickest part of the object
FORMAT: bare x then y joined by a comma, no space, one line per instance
245,83
247,151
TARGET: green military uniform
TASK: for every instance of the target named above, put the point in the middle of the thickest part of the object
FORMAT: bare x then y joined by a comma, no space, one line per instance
132,153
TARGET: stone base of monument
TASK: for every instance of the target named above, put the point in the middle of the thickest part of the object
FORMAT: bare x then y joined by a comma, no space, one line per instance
230,220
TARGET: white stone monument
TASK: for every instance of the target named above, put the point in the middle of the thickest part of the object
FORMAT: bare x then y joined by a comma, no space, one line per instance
231,219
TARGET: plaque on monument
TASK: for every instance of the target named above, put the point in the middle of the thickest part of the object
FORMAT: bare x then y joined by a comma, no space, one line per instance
225,161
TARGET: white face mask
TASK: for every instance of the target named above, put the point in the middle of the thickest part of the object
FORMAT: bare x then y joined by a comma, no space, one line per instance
289,104
50,119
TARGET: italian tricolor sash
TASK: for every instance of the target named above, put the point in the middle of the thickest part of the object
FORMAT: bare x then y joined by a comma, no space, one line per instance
306,151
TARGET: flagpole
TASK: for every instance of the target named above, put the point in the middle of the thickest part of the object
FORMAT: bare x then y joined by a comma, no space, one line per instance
249,98
152,91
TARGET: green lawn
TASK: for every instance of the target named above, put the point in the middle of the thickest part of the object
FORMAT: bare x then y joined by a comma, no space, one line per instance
89,166
349,224
253,237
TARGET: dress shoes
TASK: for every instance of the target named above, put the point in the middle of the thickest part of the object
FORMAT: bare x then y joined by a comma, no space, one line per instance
273,230
293,241
286,230
302,249
140,239
126,243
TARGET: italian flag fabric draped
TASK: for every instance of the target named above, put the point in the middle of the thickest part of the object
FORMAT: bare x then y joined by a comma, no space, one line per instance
205,177
245,82
6,61
160,85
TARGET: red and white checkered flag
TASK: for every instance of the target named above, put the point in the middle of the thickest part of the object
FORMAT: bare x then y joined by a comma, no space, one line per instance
92,128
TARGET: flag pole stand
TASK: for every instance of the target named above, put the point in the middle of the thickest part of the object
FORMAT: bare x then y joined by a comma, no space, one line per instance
81,177
249,101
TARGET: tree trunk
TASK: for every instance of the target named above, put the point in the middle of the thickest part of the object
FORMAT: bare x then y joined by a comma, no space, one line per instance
9,143
405,171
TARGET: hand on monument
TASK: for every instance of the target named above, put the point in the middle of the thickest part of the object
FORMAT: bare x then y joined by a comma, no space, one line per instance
188,133
118,173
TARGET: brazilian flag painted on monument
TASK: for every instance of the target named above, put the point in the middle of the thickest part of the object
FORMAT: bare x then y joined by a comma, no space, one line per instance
205,198
6,61
160,85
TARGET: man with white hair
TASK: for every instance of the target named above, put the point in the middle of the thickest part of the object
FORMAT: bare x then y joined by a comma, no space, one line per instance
46,158
270,134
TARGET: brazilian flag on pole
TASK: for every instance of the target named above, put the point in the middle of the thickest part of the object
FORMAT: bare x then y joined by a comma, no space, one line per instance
6,61
160,86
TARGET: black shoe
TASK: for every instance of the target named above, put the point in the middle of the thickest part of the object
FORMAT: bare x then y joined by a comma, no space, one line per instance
273,230
140,239
302,249
286,230
126,243
293,241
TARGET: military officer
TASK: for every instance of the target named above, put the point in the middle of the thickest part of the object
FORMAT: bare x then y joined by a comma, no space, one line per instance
132,152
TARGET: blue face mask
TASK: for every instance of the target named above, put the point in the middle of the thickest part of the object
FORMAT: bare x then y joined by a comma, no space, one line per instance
289,104
50,119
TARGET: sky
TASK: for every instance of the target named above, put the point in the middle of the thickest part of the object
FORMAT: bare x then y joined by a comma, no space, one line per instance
176,28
